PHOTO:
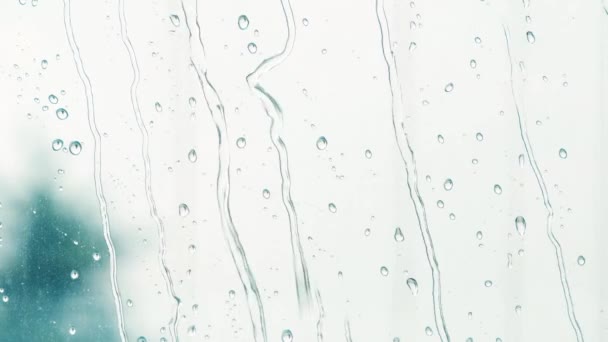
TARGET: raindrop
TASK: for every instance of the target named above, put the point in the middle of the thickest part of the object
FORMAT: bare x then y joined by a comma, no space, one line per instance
191,330
74,274
243,22
479,235
440,204
286,336
321,143
72,331
413,285
192,157
174,20
368,154
142,339
530,36
61,113
477,40
522,160
473,64
192,249
332,208
367,231
96,256
412,46
57,144
440,139
581,260
53,99
158,107
448,184
252,48
266,193
384,271
305,22
192,102
452,216
398,234
129,303
183,210
497,189
563,153
518,309
479,136
449,87
428,331
241,142
75,148
44,64
520,225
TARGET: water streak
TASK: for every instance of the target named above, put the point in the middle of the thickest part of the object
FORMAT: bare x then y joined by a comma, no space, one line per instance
215,106
407,156
321,317
145,154
523,132
103,208
347,333
274,112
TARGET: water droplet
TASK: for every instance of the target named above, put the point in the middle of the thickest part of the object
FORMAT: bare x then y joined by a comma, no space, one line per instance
192,102
174,20
129,303
440,204
522,160
96,256
53,99
452,216
449,87
192,249
158,107
266,193
61,113
142,339
183,210
488,283
286,336
231,294
57,144
368,154
413,285
581,260
440,139
243,22
44,64
384,271
428,331
398,234
367,232
497,189
412,46
192,330
192,157
473,64
74,274
5,298
448,184
332,207
72,331
530,36
75,148
321,143
518,309
305,22
252,48
563,153
479,136
477,40
241,142
520,225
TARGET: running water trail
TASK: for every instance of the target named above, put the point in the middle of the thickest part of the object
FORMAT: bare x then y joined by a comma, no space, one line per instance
215,106
347,333
145,154
523,132
103,208
407,155
274,112
321,317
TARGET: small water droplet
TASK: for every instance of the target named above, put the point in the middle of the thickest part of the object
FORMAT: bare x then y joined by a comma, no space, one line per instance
241,142
473,64
384,271
479,136
243,22
398,235
368,154
448,184
518,309
5,298
332,207
74,274
96,256
192,102
581,260
497,189
440,204
57,144
563,153
72,331
129,303
321,143
142,339
266,193
413,285
367,232
520,225
192,156
75,148
183,210
428,331
158,107
440,139
452,216
252,48
488,283
286,336
61,113
530,36
522,160
192,249
53,99
477,40
449,87
412,46
174,20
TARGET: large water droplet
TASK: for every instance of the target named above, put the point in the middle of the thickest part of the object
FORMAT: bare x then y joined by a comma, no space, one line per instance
53,99
75,148
520,225
57,144
183,210
174,20
61,113
243,22
449,87
448,184
142,339
286,336
241,142
413,285
398,235
321,143
530,36
563,153
192,157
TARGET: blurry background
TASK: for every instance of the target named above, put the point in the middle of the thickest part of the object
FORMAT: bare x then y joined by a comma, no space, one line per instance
369,274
